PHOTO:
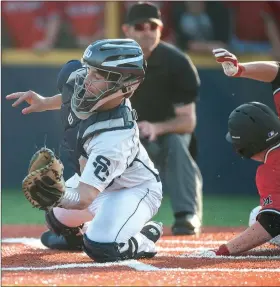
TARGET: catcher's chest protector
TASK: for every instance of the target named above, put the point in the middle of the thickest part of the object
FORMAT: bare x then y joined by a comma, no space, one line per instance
70,126
122,117
69,119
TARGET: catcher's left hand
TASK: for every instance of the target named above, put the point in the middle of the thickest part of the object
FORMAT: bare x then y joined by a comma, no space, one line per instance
44,185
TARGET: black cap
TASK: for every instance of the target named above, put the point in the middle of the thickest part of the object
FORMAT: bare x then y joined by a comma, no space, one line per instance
252,128
143,12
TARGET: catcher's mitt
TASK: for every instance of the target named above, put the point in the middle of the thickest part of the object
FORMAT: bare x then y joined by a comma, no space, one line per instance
44,185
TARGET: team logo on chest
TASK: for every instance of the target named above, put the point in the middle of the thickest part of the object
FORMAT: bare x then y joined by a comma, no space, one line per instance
101,165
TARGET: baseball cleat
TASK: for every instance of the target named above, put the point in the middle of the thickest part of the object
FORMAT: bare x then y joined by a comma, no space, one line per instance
153,230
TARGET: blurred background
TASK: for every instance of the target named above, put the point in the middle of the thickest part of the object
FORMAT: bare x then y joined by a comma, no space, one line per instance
38,37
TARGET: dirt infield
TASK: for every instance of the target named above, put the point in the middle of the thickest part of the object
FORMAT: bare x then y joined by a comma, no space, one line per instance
25,262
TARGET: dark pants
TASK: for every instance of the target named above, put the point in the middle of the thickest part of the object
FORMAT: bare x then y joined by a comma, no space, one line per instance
180,175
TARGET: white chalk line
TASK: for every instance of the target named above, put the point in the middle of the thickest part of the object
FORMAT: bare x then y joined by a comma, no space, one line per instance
228,258
129,263
139,266
29,241
195,242
36,243
181,249
26,240
23,240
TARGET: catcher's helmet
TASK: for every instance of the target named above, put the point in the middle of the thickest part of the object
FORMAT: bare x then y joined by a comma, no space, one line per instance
121,64
252,128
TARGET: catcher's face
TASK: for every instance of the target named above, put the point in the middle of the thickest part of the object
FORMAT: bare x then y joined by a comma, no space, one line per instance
94,83
92,86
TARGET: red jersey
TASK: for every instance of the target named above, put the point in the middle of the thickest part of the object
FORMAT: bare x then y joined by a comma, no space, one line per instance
273,8
26,21
268,180
268,174
85,17
248,22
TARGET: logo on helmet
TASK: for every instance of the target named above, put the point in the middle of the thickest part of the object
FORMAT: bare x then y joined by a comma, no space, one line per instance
87,53
271,135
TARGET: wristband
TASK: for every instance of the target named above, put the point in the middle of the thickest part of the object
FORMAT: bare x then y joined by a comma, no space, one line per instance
241,69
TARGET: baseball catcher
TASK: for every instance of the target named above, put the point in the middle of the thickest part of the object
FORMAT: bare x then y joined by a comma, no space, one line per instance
118,189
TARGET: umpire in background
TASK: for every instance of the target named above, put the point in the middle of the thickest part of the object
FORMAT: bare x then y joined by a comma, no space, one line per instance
166,107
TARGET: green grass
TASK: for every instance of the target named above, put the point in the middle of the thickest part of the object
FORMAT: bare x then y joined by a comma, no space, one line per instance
218,210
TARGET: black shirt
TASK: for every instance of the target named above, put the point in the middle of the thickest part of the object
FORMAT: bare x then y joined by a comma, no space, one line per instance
170,79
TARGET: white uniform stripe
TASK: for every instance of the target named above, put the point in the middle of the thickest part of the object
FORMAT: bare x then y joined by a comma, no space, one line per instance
270,210
273,148
276,91
124,61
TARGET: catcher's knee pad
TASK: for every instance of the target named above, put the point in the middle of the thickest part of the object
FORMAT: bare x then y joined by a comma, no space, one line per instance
72,235
107,252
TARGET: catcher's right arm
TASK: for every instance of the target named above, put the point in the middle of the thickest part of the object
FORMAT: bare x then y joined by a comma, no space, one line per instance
44,185
37,103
